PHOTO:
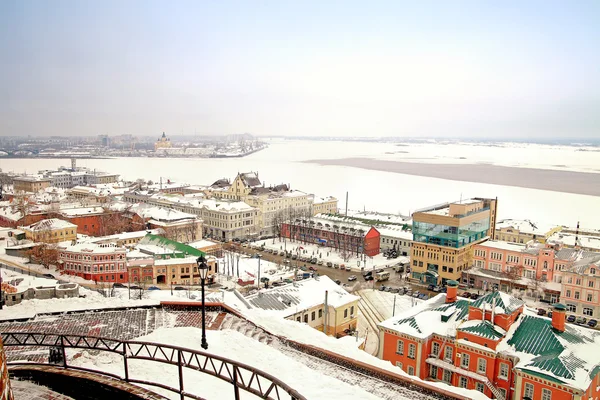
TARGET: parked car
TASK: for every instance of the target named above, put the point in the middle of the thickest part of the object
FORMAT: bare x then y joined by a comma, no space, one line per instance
135,287
474,296
408,292
288,255
320,262
388,289
549,315
541,311
592,323
179,288
313,261
303,268
352,278
430,287
116,284
368,273
49,276
312,268
294,257
338,281
416,294
336,265
466,295
571,318
329,264
288,280
153,288
264,279
382,288
282,253
581,320
369,278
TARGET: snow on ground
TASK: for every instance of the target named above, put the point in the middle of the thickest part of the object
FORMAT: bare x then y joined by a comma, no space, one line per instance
247,269
302,333
230,344
383,302
326,254
26,281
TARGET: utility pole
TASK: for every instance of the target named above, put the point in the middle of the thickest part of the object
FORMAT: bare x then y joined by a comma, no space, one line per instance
394,310
346,204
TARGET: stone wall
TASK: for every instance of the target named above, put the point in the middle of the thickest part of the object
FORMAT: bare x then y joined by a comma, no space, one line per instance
59,291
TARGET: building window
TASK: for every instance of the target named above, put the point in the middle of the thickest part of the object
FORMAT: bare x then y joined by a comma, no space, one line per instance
400,347
568,293
528,393
502,393
411,370
399,364
464,361
312,316
592,271
588,311
546,394
346,313
462,382
351,311
481,365
479,387
576,295
435,349
320,313
591,283
447,377
306,318
298,319
412,349
448,353
590,297
503,371
433,372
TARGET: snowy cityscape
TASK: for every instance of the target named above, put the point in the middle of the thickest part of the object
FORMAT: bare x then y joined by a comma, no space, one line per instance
314,200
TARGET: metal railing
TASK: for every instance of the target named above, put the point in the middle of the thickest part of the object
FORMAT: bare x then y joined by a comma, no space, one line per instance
239,375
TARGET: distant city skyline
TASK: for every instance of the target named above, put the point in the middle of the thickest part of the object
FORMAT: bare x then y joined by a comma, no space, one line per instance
468,69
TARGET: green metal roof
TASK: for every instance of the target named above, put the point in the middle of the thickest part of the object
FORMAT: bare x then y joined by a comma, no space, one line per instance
507,303
484,329
178,247
536,336
461,305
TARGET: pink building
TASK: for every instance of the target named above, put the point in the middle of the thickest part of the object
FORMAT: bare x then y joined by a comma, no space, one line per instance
539,270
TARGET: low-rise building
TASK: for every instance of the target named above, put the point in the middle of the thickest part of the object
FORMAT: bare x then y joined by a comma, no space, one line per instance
209,247
16,290
177,225
30,184
344,236
590,242
580,291
523,231
318,302
324,205
51,230
101,263
397,238
494,346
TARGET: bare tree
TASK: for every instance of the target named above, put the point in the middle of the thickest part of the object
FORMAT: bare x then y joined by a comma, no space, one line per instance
514,274
43,254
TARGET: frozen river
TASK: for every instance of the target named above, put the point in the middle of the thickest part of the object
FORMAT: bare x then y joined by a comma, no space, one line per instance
383,190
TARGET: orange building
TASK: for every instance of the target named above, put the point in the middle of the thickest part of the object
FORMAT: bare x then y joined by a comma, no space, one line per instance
495,346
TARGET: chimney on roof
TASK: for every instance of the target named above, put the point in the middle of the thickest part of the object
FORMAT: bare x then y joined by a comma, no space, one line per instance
558,317
451,291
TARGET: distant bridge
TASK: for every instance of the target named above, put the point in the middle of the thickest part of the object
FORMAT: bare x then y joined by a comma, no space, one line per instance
239,375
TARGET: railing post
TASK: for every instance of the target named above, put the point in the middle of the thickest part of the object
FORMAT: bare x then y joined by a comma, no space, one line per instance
180,367
125,362
64,353
236,389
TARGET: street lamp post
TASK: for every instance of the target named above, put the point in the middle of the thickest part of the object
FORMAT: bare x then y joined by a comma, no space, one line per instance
203,270
258,285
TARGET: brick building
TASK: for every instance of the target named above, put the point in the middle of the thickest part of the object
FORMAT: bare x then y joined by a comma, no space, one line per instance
51,230
95,262
495,346
342,236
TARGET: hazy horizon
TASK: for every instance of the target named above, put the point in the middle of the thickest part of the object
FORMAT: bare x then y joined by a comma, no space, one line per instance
467,69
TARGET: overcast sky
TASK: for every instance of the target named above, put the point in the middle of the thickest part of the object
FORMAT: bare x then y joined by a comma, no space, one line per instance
334,68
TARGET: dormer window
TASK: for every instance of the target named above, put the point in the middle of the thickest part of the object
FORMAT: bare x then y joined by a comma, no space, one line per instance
593,271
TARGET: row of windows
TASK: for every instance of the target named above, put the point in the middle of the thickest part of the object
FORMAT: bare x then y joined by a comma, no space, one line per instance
585,311
577,296
529,392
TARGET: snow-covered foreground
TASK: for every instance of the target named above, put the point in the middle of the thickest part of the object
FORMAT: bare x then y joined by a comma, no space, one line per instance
326,254
383,302
230,344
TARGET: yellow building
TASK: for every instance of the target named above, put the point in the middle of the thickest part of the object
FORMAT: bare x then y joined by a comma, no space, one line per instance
163,142
30,184
324,205
52,230
444,235
523,231
305,302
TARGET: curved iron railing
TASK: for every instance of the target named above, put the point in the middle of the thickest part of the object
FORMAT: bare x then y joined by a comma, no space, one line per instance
240,375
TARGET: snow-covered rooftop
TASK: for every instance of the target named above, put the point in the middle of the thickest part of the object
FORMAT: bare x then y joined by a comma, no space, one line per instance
294,297
49,224
95,248
525,226
568,239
